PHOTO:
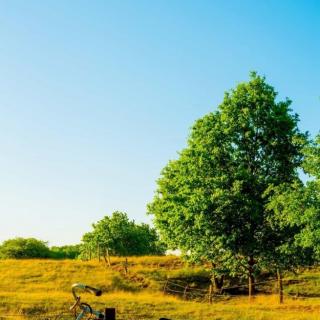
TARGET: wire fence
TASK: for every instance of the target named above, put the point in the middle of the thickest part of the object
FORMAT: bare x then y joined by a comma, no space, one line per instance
189,292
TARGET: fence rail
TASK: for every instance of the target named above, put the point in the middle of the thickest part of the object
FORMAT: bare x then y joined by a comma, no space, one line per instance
208,294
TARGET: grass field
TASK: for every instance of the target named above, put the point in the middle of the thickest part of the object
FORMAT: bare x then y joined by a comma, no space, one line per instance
33,288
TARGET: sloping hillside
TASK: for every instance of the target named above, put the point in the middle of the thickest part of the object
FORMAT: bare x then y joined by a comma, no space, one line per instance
39,287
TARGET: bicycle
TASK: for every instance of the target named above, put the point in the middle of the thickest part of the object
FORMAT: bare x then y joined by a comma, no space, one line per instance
85,309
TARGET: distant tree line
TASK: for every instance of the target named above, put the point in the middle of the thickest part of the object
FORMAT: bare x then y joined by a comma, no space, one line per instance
65,252
113,235
26,248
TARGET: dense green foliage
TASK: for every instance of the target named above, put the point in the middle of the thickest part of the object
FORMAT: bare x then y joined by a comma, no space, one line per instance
298,205
25,248
211,201
21,248
65,252
117,235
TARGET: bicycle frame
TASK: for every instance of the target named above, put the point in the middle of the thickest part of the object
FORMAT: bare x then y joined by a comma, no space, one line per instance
87,310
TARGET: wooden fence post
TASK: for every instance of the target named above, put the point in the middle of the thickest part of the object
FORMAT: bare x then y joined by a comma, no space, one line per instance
210,293
126,266
280,286
185,292
165,287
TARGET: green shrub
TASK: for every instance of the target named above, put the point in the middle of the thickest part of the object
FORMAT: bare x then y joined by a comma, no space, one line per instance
22,248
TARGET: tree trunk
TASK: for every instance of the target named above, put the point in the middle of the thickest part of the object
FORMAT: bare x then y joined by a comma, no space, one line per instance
185,292
106,257
251,263
280,286
218,283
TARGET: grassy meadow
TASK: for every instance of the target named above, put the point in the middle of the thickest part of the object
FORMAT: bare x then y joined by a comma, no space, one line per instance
41,288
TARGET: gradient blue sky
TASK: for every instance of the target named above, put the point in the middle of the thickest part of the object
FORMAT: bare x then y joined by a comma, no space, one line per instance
97,96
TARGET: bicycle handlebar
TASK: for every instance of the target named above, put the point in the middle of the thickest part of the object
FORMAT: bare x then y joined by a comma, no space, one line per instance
94,291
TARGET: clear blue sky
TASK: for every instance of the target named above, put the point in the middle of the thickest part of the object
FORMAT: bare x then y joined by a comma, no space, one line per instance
97,96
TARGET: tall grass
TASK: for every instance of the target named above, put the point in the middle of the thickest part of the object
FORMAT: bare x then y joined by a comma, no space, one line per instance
38,287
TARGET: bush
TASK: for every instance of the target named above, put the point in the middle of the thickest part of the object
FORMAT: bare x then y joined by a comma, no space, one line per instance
23,248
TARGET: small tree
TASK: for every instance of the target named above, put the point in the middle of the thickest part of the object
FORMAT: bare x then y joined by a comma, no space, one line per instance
88,246
117,235
114,235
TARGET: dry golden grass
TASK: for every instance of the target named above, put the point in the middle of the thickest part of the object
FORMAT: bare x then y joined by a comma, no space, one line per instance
38,287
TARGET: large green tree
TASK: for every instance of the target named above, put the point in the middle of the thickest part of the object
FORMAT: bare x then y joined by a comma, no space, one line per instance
210,202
